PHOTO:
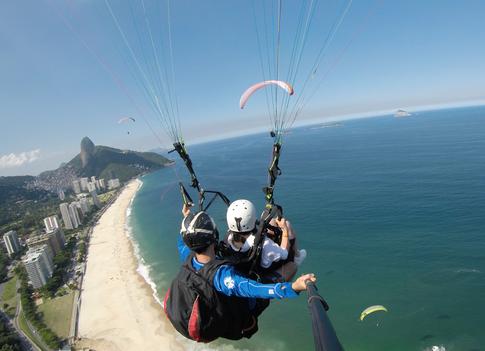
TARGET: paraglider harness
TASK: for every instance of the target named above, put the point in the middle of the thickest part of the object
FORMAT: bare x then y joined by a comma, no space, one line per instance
250,262
202,314
192,326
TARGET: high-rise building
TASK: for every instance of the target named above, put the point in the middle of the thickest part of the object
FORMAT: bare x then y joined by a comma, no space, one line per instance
113,183
54,240
38,265
85,205
73,212
61,194
93,179
96,201
60,238
76,186
66,216
42,241
84,184
51,223
101,183
92,186
12,242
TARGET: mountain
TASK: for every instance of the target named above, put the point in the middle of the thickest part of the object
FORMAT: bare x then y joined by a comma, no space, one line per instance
105,162
22,196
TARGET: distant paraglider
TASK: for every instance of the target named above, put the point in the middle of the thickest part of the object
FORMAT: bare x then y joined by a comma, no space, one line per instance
252,89
372,309
126,120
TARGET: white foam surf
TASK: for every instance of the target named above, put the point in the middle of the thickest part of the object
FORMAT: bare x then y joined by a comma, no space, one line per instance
143,268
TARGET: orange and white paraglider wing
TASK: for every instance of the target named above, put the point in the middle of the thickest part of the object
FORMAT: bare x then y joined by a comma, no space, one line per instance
252,89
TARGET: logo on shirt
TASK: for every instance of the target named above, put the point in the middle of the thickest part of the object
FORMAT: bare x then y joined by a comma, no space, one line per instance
229,282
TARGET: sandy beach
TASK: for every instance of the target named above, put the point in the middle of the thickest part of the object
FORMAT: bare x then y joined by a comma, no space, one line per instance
118,311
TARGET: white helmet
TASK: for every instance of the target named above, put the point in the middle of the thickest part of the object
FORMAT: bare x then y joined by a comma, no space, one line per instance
241,216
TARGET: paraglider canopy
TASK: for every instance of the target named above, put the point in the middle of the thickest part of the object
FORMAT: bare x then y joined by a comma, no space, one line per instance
252,89
125,120
370,310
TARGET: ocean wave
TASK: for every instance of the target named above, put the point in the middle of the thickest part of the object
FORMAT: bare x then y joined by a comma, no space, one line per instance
467,270
194,346
143,269
435,348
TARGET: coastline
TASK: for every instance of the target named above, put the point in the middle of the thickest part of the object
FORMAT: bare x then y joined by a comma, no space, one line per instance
119,308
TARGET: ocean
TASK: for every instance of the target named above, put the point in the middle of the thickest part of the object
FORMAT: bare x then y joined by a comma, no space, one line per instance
390,210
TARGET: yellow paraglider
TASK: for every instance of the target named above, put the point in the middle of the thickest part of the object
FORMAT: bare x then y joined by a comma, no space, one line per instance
370,310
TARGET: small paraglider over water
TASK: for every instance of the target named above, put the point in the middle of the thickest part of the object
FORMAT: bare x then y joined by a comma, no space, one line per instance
372,309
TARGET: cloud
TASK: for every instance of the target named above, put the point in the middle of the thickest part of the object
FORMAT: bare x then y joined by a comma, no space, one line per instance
15,160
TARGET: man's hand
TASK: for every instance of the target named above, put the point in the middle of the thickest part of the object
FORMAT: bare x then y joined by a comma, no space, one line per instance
186,210
281,223
300,284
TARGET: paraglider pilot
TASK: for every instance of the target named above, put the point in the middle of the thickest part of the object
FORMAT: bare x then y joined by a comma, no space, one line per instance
209,299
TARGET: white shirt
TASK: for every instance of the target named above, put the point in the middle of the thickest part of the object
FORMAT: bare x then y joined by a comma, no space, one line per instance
270,253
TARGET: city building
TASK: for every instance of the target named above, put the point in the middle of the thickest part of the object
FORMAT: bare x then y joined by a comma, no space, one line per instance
85,205
76,186
74,214
61,194
84,184
38,265
96,201
51,223
66,216
12,242
92,186
101,184
113,183
93,179
55,241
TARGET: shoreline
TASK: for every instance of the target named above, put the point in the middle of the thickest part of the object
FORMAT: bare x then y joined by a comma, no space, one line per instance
142,268
119,306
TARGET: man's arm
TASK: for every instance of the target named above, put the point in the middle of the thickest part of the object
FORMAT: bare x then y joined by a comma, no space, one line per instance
231,283
184,251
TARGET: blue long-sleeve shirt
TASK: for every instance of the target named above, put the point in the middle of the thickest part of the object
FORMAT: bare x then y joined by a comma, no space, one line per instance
231,283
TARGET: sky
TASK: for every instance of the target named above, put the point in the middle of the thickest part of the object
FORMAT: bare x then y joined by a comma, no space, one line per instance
65,71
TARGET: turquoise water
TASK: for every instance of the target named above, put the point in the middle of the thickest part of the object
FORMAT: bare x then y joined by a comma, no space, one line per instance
391,212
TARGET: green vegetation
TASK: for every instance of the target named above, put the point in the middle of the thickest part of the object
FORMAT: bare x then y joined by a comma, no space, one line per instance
123,172
82,251
26,330
21,206
3,266
8,340
106,162
30,311
104,198
9,297
56,314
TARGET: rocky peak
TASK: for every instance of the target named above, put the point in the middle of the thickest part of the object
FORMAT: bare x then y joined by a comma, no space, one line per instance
87,151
